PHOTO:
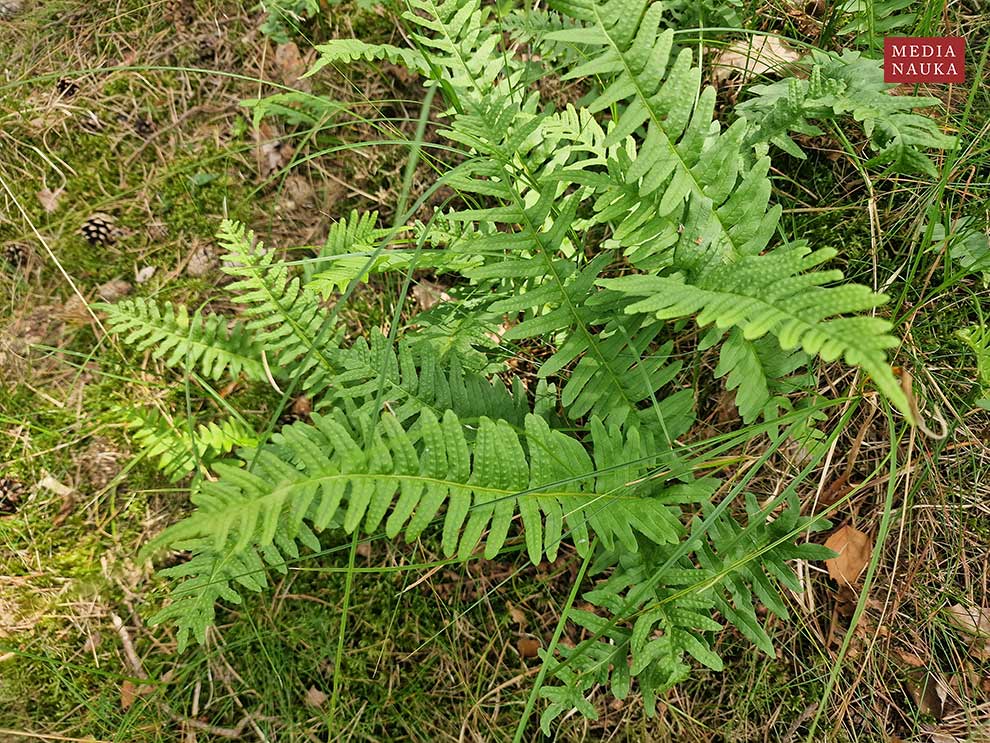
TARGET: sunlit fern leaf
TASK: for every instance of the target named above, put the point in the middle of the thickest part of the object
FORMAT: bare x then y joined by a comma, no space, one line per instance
287,319
208,343
181,448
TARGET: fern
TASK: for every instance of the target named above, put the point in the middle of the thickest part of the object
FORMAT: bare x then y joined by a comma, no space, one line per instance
182,448
288,321
200,341
776,294
340,51
655,611
848,86
592,236
312,477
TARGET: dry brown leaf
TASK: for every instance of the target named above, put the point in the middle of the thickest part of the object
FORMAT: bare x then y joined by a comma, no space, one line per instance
128,693
49,199
854,548
528,647
273,156
756,56
428,294
315,697
973,621
929,692
297,192
518,615
291,66
111,291
202,261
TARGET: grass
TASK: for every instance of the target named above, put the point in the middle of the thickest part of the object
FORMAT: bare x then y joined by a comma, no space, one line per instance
431,651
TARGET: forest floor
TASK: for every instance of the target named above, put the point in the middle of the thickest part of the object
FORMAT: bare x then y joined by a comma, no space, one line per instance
134,115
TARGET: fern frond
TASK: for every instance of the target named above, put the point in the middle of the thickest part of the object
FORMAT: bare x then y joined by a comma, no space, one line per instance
208,342
779,294
181,448
348,470
288,319
650,622
414,379
841,87
351,253
350,50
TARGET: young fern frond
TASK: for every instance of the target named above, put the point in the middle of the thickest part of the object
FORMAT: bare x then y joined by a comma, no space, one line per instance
204,342
181,448
346,470
288,321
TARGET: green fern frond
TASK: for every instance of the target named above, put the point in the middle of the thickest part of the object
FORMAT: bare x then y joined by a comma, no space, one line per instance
415,379
205,341
842,87
311,477
779,294
350,50
351,253
755,369
180,448
650,622
288,320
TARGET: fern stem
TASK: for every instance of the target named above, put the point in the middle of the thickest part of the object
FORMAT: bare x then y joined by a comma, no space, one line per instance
548,657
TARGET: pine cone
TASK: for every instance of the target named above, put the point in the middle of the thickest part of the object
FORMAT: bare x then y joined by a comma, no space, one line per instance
65,87
11,490
15,254
99,229
9,8
144,127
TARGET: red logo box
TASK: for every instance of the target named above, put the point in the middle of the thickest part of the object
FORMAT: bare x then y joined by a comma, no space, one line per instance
924,59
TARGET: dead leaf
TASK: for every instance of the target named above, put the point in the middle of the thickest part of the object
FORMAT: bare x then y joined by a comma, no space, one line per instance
49,199
273,156
854,548
910,659
297,192
428,294
50,483
113,290
518,615
128,693
928,691
756,56
528,647
291,65
973,621
315,698
202,261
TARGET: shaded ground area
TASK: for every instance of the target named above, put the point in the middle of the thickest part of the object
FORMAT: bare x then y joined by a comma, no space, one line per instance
123,143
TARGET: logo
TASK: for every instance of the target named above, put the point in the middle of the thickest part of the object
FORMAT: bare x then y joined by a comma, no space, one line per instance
916,59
